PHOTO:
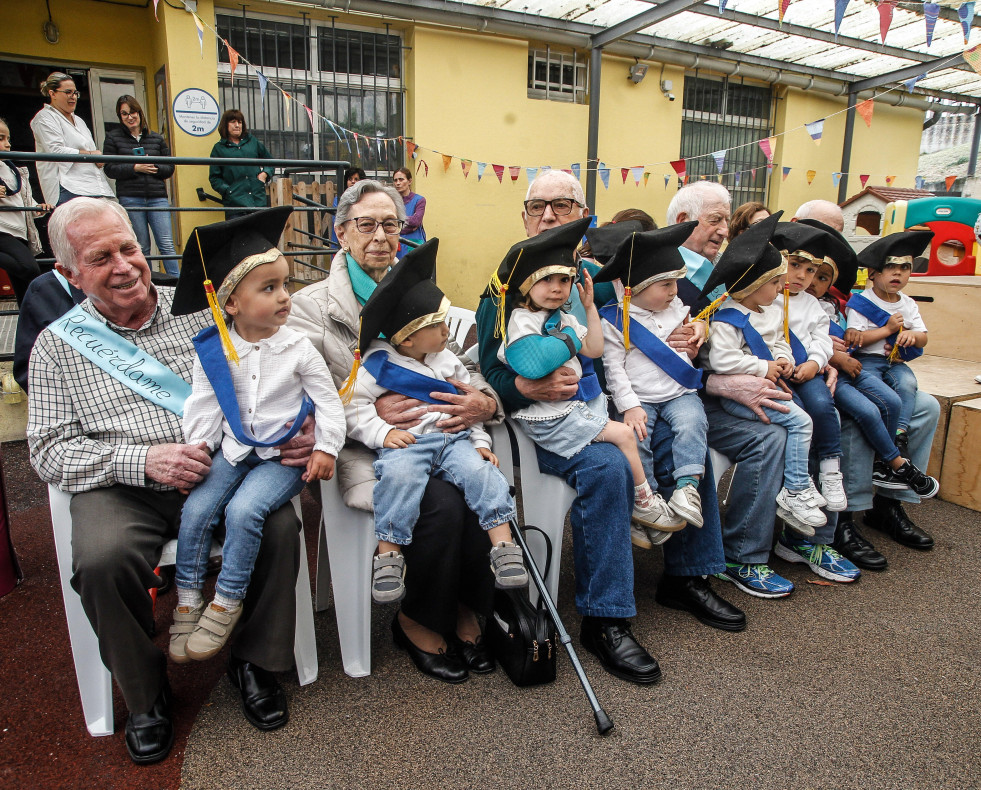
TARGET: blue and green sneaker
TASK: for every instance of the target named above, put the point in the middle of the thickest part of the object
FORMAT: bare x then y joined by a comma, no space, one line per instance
757,579
823,560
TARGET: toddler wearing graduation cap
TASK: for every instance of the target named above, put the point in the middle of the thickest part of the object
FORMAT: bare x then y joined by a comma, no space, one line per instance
648,380
409,311
541,337
883,315
239,408
748,336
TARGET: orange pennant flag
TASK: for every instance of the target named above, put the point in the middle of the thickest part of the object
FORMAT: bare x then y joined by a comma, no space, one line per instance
889,180
422,163
410,148
810,176
446,162
949,181
232,60
465,164
865,108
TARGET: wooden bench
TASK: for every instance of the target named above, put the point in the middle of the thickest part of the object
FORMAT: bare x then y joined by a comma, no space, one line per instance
960,480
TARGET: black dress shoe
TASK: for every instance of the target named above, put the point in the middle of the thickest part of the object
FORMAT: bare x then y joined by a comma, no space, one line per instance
887,516
444,665
476,656
694,594
263,700
612,642
149,736
851,543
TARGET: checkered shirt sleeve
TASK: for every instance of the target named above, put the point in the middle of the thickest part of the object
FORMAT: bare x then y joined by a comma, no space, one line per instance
87,430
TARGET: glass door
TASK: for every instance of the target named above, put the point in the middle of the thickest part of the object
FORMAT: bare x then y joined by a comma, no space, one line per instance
106,86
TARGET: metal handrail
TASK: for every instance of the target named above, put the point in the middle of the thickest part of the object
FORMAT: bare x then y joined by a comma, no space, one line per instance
94,159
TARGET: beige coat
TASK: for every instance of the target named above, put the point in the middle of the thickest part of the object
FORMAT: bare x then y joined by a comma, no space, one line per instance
327,313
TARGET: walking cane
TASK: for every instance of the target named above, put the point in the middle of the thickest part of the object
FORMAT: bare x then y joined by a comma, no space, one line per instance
604,724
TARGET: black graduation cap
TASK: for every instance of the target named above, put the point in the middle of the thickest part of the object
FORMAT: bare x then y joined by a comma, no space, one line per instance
550,252
406,299
603,241
643,256
839,255
749,262
796,238
225,245
908,244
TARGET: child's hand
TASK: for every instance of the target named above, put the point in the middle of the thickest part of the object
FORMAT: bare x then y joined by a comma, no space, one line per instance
397,438
805,371
487,455
636,420
895,322
696,340
772,371
853,338
319,467
831,378
906,338
785,366
851,366
586,290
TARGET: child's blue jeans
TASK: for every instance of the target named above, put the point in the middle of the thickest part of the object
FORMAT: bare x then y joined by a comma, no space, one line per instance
403,474
798,425
686,418
875,408
246,494
900,379
820,407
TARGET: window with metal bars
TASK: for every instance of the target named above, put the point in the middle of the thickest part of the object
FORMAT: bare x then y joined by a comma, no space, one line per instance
556,75
352,77
730,116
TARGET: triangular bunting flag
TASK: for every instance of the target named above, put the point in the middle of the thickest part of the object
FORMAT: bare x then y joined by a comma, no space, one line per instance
885,17
815,129
911,82
637,173
666,179
722,5
646,177
965,13
889,180
465,164
840,6
782,8
422,163
575,169
769,169
624,172
739,177
810,176
604,174
930,13
232,60
532,172
753,171
499,172
949,181
865,109
918,182
515,171
973,57
446,159
835,179
679,168
200,27
155,4
786,172
263,82
545,169
720,159
310,116
410,149
569,171
289,113
481,166
766,146
864,179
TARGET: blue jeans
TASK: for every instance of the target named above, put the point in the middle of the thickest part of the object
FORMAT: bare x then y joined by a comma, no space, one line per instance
246,494
751,508
798,445
686,419
64,196
900,379
820,407
403,474
600,518
158,222
692,551
875,409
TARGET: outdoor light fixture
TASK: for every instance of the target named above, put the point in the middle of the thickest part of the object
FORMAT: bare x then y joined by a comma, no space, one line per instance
666,88
637,72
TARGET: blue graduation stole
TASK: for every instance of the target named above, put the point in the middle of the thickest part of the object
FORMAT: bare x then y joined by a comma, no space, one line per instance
208,345
655,349
589,386
880,318
406,382
835,330
740,320
800,353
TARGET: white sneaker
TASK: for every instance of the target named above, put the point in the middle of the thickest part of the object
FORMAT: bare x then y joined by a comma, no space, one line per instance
638,536
816,497
687,504
833,491
657,536
978,379
657,515
800,510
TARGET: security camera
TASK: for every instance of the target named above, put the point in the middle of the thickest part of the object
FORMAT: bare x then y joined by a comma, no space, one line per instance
670,96
666,87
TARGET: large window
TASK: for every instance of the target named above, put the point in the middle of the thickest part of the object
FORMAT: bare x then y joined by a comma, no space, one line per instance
358,86
726,115
556,75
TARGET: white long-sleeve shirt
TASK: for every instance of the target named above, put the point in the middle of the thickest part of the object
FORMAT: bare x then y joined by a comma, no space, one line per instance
809,322
16,222
363,423
911,318
727,349
55,134
269,381
632,377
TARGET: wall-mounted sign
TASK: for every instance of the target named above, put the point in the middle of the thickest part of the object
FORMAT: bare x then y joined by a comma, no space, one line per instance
196,112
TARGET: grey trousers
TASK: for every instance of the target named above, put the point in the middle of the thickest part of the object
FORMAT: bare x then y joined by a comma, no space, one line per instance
117,536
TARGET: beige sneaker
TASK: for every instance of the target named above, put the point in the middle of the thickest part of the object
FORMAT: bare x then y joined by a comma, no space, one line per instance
212,631
657,515
185,621
687,504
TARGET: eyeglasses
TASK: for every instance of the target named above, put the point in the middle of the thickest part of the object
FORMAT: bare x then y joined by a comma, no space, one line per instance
560,206
368,226
69,94
128,114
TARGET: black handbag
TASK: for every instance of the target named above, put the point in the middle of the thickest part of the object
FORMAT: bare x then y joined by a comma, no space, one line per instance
522,637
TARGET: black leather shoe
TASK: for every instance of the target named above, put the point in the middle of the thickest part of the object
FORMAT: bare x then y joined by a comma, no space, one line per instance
476,656
851,543
695,595
149,736
612,642
887,516
445,666
263,700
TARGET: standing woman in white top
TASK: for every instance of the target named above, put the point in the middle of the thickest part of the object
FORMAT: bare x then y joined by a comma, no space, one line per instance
57,130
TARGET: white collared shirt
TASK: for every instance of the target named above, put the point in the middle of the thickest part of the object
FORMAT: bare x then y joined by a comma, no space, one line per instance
55,134
727,349
911,318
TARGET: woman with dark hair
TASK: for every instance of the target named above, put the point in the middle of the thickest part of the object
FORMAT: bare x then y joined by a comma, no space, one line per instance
57,130
744,216
352,176
415,206
141,185
240,186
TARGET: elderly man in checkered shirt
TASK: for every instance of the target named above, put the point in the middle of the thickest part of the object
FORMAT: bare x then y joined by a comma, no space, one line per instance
122,457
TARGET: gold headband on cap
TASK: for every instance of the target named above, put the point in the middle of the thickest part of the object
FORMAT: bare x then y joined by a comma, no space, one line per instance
544,272
422,322
762,280
236,275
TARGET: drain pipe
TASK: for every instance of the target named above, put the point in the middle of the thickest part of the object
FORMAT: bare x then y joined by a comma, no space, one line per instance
592,137
846,147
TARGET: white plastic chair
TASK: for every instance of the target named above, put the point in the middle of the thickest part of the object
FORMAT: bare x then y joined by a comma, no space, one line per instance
94,680
719,466
461,321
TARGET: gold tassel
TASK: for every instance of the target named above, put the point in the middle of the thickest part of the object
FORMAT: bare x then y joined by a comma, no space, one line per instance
627,293
713,306
499,293
216,312
347,389
786,313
